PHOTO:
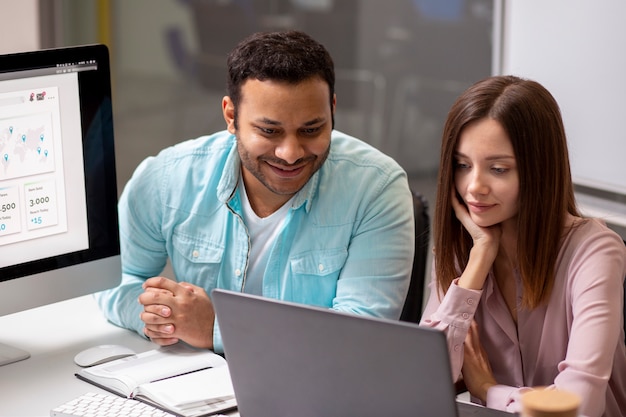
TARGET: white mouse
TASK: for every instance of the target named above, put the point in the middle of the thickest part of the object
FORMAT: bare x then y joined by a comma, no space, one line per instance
101,354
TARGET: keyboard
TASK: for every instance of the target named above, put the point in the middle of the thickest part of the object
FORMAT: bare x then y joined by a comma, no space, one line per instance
106,405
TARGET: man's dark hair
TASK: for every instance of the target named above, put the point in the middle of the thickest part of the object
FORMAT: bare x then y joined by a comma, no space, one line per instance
289,56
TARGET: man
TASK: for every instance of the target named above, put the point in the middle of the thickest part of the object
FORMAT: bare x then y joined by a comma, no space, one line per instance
279,205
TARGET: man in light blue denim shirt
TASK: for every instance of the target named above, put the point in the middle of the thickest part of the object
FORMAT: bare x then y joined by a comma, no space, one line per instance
279,204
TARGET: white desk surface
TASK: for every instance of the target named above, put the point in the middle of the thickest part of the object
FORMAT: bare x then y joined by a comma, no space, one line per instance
53,335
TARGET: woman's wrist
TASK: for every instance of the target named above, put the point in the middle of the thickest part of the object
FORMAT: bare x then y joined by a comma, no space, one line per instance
478,266
483,391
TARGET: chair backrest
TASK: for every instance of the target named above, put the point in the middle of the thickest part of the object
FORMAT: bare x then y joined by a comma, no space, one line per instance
412,310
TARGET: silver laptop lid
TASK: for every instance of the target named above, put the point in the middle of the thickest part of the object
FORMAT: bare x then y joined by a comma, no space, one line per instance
291,360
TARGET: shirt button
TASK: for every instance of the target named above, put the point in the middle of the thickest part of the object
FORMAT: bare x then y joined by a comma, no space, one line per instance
465,316
320,267
470,301
457,348
195,254
237,272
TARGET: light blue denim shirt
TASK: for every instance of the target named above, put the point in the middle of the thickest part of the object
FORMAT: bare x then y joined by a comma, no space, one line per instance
347,242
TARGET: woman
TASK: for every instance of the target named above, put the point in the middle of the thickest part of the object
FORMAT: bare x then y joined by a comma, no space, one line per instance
528,292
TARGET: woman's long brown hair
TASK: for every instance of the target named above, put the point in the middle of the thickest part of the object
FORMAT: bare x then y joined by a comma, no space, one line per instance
532,120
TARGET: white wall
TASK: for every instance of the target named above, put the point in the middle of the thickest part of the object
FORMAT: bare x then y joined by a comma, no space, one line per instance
19,30
577,50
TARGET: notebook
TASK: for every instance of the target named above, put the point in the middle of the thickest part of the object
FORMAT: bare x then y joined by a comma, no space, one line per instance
289,359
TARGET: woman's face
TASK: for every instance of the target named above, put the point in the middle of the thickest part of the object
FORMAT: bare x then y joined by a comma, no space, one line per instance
485,173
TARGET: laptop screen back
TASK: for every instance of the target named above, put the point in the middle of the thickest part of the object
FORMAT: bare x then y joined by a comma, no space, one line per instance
288,359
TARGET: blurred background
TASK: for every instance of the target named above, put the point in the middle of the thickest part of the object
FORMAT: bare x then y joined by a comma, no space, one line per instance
399,63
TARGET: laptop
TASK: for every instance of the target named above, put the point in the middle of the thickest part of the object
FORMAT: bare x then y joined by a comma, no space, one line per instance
289,360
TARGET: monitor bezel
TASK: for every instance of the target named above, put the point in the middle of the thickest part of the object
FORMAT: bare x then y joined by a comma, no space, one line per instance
73,269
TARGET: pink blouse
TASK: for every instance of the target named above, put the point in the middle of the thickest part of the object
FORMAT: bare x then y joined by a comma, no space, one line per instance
575,342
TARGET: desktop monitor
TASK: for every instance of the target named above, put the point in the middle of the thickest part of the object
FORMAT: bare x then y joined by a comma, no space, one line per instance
59,236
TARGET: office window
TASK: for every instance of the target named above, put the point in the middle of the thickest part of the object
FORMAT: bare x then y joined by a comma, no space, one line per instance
400,64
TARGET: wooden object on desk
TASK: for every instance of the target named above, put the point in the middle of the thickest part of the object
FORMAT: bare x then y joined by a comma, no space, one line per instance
549,403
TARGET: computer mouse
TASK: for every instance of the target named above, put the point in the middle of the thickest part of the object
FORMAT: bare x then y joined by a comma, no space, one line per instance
101,354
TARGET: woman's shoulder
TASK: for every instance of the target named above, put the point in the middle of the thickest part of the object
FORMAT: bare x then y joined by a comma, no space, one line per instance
585,227
592,256
585,234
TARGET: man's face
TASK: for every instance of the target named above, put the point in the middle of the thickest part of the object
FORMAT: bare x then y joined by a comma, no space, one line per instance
283,135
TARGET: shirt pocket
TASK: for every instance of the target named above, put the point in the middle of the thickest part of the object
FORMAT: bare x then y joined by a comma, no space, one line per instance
196,260
314,276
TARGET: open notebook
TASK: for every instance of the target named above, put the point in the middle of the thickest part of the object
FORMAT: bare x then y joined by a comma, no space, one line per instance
288,359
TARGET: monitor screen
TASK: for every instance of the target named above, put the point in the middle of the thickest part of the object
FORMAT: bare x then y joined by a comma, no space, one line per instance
59,234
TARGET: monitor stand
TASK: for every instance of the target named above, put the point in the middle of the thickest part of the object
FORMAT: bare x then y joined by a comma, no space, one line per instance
10,354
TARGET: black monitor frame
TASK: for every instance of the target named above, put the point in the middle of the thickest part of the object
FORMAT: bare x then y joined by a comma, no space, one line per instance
92,65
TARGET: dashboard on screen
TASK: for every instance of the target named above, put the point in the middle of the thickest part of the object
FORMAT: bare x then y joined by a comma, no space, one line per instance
58,192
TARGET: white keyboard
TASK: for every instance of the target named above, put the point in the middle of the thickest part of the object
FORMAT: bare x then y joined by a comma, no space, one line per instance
106,405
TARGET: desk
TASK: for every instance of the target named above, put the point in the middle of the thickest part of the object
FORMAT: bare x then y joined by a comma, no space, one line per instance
53,335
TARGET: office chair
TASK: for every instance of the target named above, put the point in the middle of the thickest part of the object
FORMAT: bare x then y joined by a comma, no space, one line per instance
412,310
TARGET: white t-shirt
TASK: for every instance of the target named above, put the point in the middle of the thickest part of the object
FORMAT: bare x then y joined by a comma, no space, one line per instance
263,232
